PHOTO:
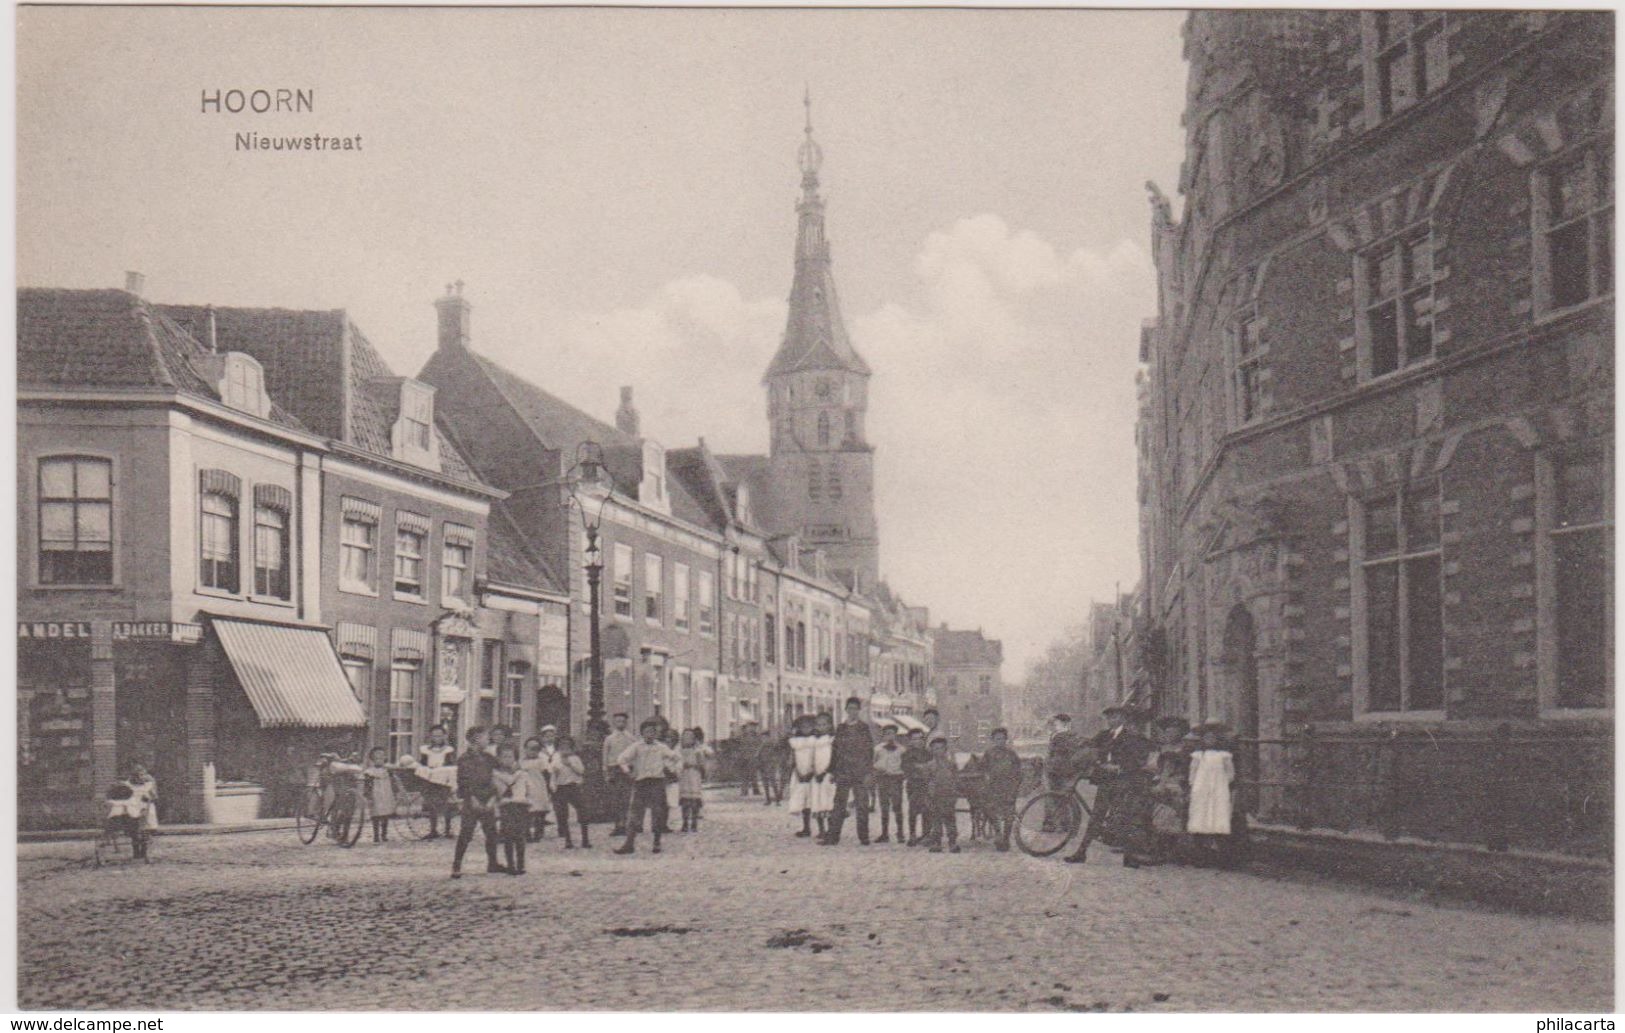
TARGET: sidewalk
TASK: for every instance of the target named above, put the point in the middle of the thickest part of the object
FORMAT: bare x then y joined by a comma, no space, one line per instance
1526,881
68,835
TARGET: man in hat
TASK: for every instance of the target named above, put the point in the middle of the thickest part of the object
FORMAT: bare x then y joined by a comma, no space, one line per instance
1121,753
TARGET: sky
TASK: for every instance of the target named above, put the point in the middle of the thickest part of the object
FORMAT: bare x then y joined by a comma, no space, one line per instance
616,189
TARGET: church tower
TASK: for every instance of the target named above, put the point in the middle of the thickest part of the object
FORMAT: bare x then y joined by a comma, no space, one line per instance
820,463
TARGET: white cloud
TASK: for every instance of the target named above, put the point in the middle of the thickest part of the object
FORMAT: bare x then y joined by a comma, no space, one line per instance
1002,409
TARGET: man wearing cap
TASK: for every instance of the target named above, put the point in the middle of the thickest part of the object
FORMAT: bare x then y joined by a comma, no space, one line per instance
1121,753
852,764
1065,745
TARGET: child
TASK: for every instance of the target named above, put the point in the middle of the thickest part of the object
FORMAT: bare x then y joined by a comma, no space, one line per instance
1002,768
889,783
691,780
437,798
823,801
538,768
942,794
915,759
513,798
380,790
1168,787
1213,769
477,789
568,774
801,777
128,806
649,763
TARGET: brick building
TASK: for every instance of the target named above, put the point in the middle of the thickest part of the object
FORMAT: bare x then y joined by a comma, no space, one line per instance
967,670
170,600
1376,437
424,633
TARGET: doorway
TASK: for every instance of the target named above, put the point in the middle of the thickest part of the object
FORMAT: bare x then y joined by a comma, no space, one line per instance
1241,667
552,708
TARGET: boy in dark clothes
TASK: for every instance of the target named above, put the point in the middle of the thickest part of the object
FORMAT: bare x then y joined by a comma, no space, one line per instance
942,793
915,759
1002,768
477,789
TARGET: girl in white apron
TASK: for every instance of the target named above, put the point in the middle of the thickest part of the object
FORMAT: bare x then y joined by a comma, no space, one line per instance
803,748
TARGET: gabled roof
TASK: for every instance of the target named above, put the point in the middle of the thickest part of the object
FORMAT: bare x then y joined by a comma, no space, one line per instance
509,561
545,421
951,648
109,339
303,353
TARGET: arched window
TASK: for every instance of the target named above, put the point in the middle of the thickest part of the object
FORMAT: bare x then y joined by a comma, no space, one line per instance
823,429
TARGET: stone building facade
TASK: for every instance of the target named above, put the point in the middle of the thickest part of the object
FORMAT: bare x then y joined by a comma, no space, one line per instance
968,674
1376,435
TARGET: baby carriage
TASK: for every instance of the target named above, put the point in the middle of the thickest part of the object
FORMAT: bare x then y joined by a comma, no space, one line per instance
129,811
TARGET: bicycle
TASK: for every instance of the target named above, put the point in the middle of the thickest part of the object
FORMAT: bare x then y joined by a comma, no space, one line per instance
1047,822
335,802
415,798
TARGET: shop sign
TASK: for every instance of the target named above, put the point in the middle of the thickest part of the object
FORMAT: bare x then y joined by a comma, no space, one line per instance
53,629
157,631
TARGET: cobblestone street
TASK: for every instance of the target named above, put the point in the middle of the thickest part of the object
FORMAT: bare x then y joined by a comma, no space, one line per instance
743,917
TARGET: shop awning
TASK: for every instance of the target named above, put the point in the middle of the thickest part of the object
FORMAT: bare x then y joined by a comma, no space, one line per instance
291,675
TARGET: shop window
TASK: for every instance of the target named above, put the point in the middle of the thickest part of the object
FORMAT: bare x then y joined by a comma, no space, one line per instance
1582,545
1574,224
707,603
513,693
622,589
654,588
405,683
271,549
75,521
457,555
1397,313
1404,632
217,531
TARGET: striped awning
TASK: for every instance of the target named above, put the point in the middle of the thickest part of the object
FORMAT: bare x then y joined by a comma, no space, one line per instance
291,676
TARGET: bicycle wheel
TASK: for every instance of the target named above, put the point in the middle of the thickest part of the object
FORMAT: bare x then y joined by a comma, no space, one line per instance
347,816
1047,823
410,815
308,819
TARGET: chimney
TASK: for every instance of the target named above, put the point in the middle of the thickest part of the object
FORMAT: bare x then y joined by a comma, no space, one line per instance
626,417
214,341
454,317
134,283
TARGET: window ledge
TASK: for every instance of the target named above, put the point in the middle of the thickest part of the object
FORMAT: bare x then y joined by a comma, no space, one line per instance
271,600
1576,714
47,586
403,597
1391,374
356,589
1558,314
219,593
1380,716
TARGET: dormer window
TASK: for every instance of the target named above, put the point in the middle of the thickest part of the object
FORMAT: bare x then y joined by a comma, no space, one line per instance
417,415
245,384
413,436
238,379
652,488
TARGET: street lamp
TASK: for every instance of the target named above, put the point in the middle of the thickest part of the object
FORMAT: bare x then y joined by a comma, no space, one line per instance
589,494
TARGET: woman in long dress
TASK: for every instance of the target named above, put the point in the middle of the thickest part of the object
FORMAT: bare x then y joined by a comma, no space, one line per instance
1213,771
823,801
802,751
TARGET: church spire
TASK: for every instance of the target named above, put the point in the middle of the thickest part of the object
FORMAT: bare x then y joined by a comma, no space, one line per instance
815,335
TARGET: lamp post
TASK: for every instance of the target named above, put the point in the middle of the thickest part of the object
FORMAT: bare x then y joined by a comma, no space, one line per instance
588,494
